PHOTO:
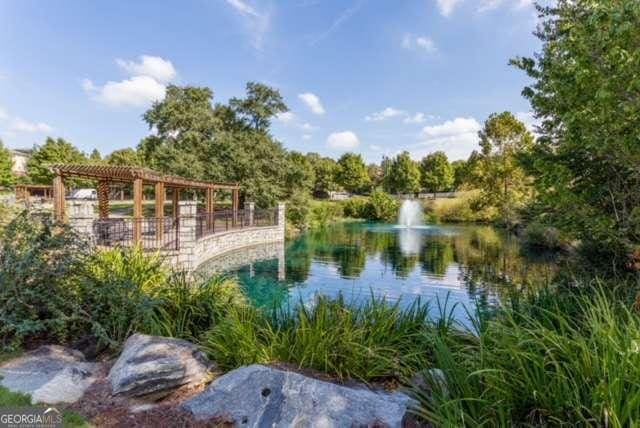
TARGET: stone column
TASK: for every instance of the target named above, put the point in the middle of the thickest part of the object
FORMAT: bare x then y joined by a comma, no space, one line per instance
249,209
187,235
280,215
282,267
81,217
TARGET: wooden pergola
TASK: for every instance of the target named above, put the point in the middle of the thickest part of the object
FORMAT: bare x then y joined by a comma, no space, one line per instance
24,191
138,177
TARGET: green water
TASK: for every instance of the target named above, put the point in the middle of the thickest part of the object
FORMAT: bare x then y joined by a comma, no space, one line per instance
468,265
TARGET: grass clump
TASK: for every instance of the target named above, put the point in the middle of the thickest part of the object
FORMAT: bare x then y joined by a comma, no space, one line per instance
552,360
371,341
465,208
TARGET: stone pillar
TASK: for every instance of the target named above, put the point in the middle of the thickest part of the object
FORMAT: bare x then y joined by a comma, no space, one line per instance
282,267
249,209
280,215
81,217
187,235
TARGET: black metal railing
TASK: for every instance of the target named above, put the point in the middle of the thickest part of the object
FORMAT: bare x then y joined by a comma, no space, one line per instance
225,220
150,233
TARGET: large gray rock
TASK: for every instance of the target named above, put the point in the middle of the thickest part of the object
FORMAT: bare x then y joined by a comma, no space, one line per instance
50,374
259,396
156,365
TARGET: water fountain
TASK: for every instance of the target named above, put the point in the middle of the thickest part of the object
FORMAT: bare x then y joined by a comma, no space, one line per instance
410,214
410,219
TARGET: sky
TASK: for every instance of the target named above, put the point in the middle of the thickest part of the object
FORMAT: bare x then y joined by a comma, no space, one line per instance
371,76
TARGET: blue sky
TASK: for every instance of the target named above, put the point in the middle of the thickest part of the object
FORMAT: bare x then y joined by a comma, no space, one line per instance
375,76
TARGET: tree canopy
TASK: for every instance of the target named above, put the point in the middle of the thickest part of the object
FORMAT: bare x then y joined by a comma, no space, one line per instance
402,175
352,173
437,172
585,92
7,179
54,150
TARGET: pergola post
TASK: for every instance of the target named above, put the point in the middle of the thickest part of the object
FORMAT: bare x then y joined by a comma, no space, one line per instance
159,194
208,207
103,199
235,202
137,210
58,197
175,201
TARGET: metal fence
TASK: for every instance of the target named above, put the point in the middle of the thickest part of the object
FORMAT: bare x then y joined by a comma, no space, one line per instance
224,220
152,233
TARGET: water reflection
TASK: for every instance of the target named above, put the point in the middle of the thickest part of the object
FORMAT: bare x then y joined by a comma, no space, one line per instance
471,264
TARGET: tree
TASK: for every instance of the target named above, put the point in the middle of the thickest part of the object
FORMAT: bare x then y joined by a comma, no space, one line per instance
260,105
460,173
225,143
124,157
437,172
7,179
585,93
300,175
351,173
402,175
95,157
503,141
324,171
51,152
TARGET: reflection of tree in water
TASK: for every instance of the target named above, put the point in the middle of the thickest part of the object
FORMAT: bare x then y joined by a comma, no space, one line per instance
401,264
437,255
299,256
259,282
351,260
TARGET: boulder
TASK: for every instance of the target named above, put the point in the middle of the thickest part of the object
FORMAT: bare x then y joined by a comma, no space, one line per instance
156,365
425,381
50,374
257,396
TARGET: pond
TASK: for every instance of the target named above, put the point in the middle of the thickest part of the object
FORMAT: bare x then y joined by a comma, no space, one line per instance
468,265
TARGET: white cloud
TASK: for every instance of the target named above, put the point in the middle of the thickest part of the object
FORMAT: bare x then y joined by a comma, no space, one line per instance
487,5
418,118
447,6
147,83
338,22
387,113
242,7
306,137
313,102
424,43
286,117
256,24
346,140
158,68
307,127
20,125
457,138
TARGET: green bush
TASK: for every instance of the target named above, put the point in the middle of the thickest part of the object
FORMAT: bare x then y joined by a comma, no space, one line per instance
553,360
38,262
324,213
381,207
119,291
298,210
370,341
356,207
462,209
540,236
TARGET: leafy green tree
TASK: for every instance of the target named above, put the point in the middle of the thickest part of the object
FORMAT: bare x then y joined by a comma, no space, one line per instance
300,175
7,179
585,93
402,175
381,207
225,143
324,171
460,173
437,172
54,150
261,104
95,157
504,140
124,157
352,174
376,175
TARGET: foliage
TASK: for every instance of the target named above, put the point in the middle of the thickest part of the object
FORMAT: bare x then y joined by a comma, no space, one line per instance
298,210
550,359
18,399
505,185
465,208
225,143
7,179
52,151
356,207
381,207
124,157
119,290
37,265
585,93
324,213
437,172
352,174
324,172
545,237
95,157
300,174
402,175
371,341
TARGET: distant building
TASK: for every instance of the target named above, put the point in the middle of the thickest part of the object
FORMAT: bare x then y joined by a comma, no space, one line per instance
20,158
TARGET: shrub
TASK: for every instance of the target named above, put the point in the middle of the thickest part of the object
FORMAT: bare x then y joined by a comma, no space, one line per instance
119,291
551,360
355,207
371,341
544,237
298,210
324,213
38,262
381,207
462,209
